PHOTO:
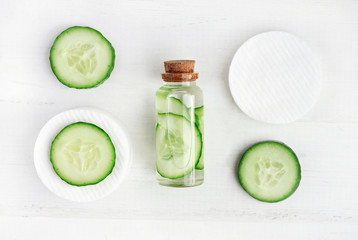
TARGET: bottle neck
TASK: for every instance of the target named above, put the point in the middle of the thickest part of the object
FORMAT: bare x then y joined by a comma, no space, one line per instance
176,84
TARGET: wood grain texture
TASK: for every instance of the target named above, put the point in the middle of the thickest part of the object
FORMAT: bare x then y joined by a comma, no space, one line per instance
144,34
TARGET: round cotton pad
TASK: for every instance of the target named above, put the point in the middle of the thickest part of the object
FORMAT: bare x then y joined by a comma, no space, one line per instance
87,193
275,77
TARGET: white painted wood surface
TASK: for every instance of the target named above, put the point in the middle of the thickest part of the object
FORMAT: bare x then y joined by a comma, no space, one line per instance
144,34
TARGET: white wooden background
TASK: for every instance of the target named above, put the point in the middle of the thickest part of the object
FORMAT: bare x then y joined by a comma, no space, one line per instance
144,34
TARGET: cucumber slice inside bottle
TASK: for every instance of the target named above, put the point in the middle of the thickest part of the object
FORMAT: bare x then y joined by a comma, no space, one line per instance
199,120
269,171
165,104
178,144
81,57
82,154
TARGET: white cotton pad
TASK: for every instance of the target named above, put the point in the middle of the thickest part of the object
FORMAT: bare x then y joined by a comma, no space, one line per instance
88,193
275,77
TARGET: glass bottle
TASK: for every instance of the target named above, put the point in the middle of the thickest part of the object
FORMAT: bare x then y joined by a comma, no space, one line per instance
180,125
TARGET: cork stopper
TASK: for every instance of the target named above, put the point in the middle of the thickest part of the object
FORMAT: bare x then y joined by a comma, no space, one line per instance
179,71
179,66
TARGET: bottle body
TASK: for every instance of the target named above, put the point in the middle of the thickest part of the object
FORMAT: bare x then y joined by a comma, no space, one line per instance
180,134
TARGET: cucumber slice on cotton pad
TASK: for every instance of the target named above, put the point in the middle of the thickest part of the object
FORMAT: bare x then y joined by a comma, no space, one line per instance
269,171
82,154
81,57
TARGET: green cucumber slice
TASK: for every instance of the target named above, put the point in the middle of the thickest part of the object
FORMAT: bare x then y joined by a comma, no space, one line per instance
165,104
199,120
81,57
269,171
178,144
82,154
